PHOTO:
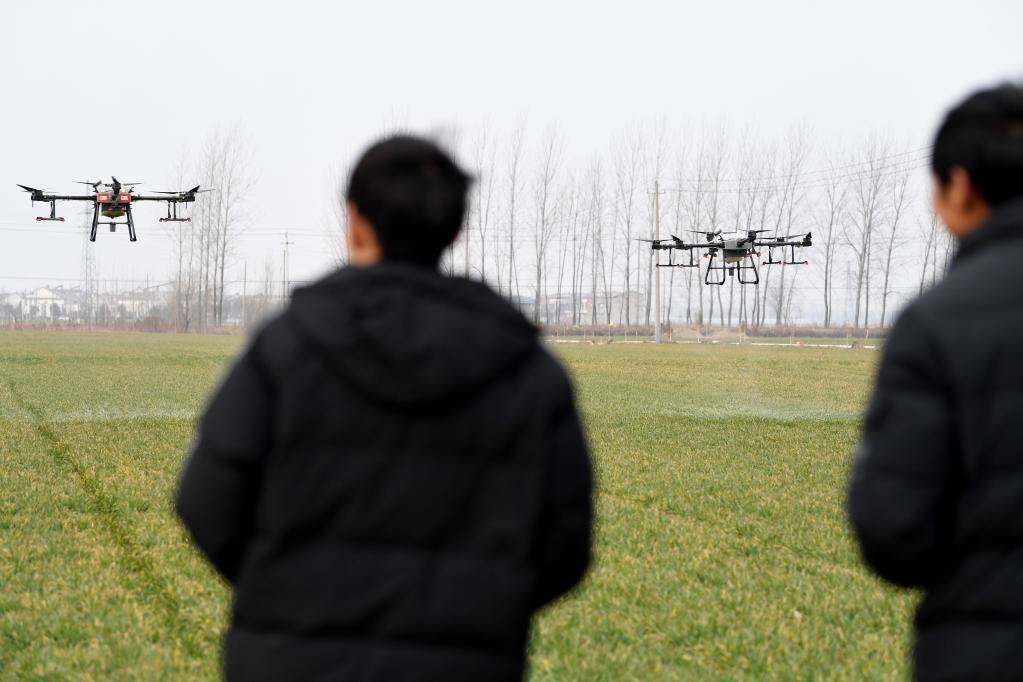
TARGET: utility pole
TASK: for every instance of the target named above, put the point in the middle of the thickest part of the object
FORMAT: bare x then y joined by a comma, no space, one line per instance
657,270
87,299
284,285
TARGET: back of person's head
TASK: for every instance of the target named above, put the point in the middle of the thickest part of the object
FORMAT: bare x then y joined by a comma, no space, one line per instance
413,195
983,135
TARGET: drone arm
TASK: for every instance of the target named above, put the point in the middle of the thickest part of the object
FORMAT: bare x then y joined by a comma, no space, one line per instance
65,197
773,244
148,197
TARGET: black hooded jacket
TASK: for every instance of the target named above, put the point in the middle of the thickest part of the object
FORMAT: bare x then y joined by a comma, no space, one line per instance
393,477
936,495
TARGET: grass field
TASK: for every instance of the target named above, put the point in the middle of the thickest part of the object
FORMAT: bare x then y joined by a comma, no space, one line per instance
722,551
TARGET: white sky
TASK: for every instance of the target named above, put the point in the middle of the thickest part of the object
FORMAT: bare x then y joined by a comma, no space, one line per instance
94,89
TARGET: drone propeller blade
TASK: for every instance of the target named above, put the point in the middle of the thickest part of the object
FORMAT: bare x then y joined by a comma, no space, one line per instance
29,189
708,234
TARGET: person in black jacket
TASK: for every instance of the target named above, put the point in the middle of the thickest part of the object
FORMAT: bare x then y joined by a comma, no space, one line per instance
936,493
392,476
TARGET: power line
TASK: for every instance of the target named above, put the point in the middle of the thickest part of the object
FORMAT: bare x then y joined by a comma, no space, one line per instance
924,151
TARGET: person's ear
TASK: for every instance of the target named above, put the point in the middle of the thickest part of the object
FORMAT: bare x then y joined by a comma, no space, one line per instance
959,192
363,245
352,217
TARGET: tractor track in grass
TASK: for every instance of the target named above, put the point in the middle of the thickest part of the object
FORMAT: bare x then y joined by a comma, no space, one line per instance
141,567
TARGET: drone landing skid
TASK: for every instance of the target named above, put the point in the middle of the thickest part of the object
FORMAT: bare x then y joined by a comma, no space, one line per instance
788,258
745,271
172,214
130,222
53,213
672,264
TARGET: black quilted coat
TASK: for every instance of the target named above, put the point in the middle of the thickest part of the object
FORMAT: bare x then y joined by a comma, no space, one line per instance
936,495
394,479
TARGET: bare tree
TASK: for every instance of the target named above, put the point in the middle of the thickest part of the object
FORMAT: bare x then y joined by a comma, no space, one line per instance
599,267
656,155
484,166
182,236
569,227
233,186
545,207
513,176
714,167
626,162
930,231
897,206
692,195
829,215
797,149
580,234
337,219
218,217
867,199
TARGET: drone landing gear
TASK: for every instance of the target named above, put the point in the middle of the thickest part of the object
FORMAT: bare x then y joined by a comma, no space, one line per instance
95,222
672,264
112,224
172,215
788,257
131,225
53,213
743,270
712,267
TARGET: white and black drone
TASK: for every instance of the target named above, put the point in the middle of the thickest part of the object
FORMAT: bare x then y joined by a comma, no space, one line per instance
733,254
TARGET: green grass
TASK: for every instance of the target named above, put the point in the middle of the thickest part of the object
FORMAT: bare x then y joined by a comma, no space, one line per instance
722,550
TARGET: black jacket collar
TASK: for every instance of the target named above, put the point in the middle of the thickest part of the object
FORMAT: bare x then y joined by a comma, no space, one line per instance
1004,224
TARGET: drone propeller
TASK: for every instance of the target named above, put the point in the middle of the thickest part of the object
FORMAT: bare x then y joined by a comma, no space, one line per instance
185,192
708,235
29,189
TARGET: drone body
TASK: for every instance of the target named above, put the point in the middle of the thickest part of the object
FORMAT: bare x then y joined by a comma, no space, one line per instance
113,200
737,252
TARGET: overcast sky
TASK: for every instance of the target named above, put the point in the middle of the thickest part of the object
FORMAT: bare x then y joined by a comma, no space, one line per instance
94,89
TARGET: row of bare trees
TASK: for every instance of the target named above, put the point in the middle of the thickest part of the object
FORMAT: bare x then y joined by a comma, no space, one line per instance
203,250
559,234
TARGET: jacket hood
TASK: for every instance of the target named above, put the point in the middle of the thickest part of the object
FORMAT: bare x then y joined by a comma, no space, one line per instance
1004,224
404,335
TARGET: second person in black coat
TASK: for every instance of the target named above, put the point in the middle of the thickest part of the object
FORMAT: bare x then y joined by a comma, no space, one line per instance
936,496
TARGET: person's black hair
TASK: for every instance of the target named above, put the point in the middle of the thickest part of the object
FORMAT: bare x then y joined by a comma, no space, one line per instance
984,135
414,196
